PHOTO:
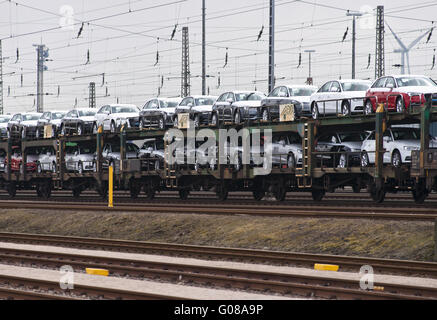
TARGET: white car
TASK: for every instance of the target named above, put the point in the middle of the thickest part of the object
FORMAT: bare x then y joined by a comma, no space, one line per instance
348,96
53,118
80,158
113,116
4,119
291,93
158,111
287,150
398,143
47,160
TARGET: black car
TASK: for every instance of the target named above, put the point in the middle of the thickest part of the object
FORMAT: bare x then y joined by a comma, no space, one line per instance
199,109
80,121
158,112
237,106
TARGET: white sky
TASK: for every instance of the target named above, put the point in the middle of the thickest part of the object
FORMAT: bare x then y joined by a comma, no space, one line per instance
124,47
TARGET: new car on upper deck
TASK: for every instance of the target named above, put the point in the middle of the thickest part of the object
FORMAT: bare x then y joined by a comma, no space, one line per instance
23,124
291,93
53,118
113,116
4,119
199,109
398,93
237,106
345,97
80,121
158,112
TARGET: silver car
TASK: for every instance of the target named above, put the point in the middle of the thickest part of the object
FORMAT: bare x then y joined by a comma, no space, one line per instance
23,124
53,118
80,158
47,160
153,151
111,152
158,112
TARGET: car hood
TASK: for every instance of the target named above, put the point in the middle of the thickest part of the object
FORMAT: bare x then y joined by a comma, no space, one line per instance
247,103
352,145
29,123
88,118
125,115
417,89
207,108
4,125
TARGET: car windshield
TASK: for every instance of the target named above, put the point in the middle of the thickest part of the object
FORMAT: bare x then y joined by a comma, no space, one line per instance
255,97
159,144
30,117
242,96
169,104
415,82
204,101
121,109
130,147
352,137
4,120
302,92
86,113
406,134
57,115
355,86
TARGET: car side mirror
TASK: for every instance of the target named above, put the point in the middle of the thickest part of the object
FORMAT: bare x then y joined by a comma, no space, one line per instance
386,139
334,90
230,100
390,85
150,149
190,105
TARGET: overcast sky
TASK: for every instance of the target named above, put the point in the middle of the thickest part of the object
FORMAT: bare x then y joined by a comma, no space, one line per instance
123,45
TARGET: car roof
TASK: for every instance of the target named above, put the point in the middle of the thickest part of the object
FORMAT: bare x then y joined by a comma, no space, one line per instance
298,86
85,109
200,96
121,105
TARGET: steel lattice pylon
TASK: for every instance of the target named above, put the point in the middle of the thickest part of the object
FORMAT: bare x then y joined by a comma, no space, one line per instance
185,86
379,54
92,97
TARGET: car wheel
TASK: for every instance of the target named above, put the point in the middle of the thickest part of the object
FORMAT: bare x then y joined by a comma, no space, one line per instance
141,124
396,159
400,105
161,123
346,108
237,117
175,121
113,129
80,168
342,161
368,107
265,115
364,159
291,161
237,162
214,119
315,111
79,130
196,121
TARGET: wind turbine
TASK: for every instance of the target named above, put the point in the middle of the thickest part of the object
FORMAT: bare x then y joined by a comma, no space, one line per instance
404,51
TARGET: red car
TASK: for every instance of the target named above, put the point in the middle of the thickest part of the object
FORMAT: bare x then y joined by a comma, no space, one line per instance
16,160
399,92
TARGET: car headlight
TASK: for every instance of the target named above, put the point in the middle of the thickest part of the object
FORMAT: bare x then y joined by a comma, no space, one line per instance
299,151
411,148
414,94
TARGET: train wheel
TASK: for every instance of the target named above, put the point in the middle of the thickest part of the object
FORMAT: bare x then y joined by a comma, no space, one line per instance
150,191
318,195
11,188
183,194
420,192
258,194
135,189
222,192
45,190
77,192
280,193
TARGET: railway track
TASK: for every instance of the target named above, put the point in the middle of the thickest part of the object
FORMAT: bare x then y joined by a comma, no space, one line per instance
201,275
225,208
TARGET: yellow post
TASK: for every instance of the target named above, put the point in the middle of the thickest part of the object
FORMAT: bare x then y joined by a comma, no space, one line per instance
111,187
